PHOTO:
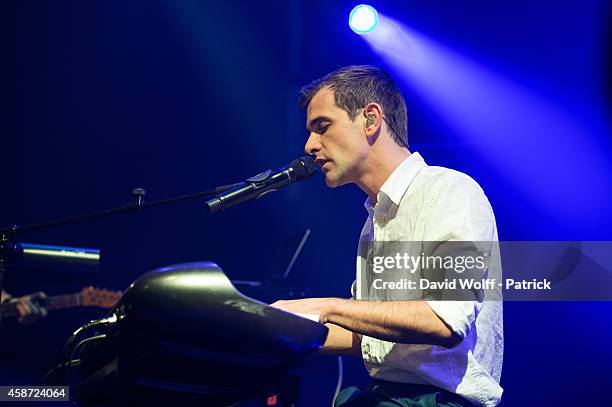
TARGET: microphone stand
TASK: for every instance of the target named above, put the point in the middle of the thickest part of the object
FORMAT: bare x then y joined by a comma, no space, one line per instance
11,250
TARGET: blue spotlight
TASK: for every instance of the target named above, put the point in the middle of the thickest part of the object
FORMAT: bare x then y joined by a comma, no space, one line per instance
363,19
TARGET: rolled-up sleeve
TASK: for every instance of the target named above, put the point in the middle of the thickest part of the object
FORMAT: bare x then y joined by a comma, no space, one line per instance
458,211
457,315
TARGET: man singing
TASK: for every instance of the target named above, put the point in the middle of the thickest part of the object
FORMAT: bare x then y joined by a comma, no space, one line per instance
418,352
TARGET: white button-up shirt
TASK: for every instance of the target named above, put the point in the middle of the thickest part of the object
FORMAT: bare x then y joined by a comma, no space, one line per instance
420,203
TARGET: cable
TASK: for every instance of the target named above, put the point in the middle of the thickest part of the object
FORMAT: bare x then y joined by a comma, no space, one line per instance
80,345
339,381
67,351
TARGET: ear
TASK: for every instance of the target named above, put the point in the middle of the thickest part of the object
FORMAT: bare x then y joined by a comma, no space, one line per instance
373,116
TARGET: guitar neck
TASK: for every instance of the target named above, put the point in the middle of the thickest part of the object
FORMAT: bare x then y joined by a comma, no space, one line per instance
63,301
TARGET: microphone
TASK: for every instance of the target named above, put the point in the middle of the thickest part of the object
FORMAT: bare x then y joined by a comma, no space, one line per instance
263,184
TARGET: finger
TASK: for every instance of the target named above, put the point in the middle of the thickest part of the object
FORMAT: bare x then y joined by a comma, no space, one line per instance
24,308
36,297
36,309
21,309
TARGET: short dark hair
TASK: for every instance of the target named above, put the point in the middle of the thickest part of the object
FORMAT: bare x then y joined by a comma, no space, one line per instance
355,86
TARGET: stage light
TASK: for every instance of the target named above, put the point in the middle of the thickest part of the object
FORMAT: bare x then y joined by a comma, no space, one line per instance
363,19
481,107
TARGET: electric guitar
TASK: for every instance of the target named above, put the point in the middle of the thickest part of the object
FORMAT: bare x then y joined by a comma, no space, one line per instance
87,297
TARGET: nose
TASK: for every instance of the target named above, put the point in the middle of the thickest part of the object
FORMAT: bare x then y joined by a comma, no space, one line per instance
313,144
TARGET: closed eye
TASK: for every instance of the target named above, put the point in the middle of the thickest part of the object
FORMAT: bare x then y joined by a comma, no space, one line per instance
319,124
322,128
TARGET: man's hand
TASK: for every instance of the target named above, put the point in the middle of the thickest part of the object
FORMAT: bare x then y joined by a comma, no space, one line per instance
339,341
316,306
29,307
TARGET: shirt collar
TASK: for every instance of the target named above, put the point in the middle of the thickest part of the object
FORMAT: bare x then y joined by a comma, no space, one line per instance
400,179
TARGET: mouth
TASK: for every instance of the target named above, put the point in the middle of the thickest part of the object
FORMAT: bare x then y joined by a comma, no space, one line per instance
321,163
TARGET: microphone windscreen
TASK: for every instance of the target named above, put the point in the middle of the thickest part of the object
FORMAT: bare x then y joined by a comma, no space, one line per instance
304,167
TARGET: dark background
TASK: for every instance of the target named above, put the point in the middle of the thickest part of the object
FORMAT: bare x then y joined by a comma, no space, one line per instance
181,96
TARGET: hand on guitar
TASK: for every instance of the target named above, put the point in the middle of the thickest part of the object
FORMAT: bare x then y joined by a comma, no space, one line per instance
29,307
32,307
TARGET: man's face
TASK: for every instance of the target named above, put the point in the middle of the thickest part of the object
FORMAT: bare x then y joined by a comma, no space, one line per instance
338,143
